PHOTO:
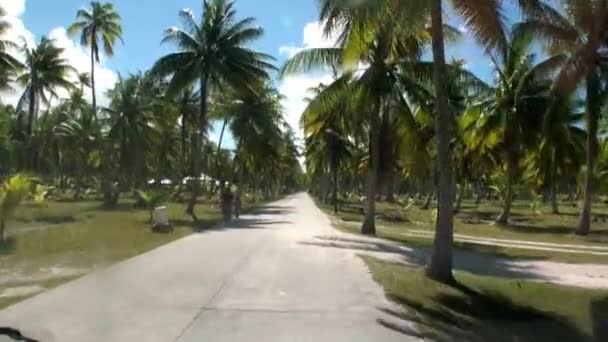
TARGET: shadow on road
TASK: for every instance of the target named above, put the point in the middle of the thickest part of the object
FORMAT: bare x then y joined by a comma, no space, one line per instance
271,210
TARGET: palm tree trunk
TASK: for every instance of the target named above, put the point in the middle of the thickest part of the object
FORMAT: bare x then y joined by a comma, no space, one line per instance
369,222
218,173
554,207
93,95
429,197
2,226
459,195
440,265
197,143
479,192
503,218
389,190
593,110
31,112
335,181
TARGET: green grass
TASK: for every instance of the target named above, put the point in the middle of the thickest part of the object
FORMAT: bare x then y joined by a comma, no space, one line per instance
526,226
84,236
491,309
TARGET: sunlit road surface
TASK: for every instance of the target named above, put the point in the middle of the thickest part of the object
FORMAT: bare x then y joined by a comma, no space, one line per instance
259,279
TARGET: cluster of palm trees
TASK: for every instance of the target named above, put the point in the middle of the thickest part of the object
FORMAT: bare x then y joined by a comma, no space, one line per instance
391,119
154,129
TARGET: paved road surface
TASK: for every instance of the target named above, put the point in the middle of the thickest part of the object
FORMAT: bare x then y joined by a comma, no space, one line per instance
261,279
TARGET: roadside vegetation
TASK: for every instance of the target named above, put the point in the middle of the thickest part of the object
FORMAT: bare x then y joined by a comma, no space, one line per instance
81,178
538,234
416,148
490,308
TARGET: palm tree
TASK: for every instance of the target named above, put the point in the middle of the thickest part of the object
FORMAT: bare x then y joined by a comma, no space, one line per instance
99,24
580,31
46,71
484,20
130,126
562,145
79,135
186,103
506,120
84,79
9,65
366,38
326,129
12,192
212,51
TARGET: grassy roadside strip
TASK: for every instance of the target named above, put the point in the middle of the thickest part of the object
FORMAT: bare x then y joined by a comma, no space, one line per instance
492,309
92,238
402,233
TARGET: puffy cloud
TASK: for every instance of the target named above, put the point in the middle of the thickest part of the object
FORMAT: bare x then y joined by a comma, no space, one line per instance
295,91
312,37
13,8
74,53
295,87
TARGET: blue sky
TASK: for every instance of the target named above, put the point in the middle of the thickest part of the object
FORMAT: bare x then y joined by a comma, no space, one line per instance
290,25
144,22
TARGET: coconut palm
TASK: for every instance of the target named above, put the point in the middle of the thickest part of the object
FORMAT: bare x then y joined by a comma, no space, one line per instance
46,71
12,192
79,135
98,25
365,38
507,120
326,129
9,65
485,21
130,125
212,51
561,149
580,31
84,80
254,119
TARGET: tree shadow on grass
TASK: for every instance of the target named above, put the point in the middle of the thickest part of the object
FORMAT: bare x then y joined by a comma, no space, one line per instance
599,319
467,314
464,260
8,246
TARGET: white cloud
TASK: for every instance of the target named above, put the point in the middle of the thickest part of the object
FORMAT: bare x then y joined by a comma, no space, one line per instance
13,8
294,88
74,53
313,37
289,50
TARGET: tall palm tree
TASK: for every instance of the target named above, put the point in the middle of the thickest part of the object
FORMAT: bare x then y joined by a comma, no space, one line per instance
187,103
561,149
212,52
99,24
46,71
130,125
326,129
9,65
367,38
580,31
256,127
507,119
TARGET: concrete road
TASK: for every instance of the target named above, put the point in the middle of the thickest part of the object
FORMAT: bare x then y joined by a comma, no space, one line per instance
255,280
